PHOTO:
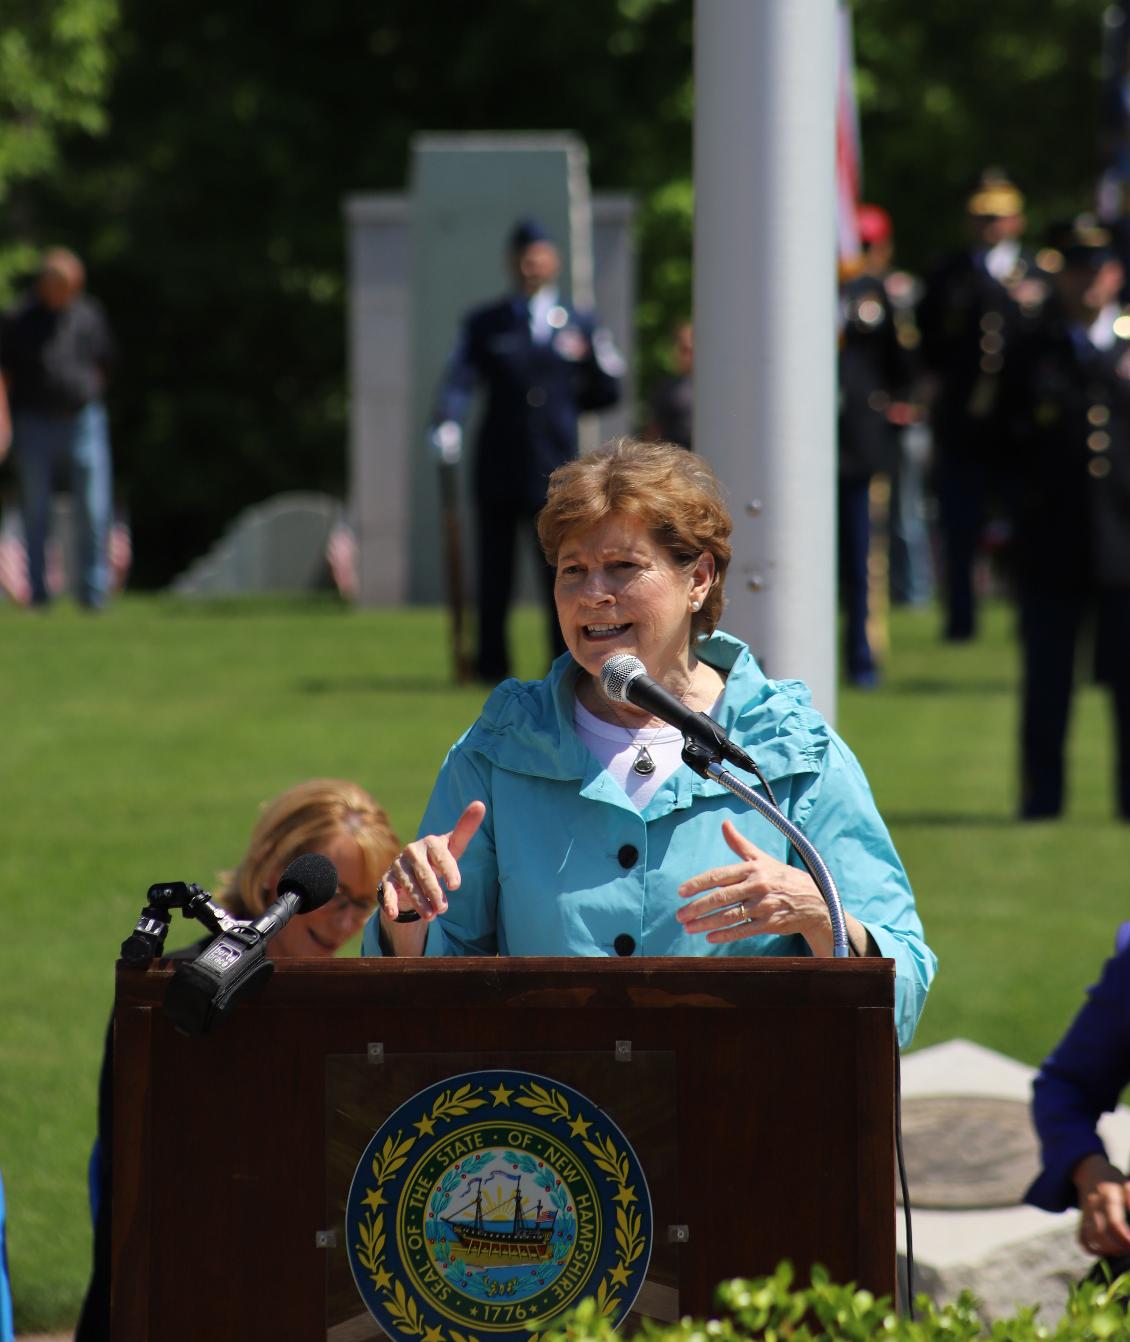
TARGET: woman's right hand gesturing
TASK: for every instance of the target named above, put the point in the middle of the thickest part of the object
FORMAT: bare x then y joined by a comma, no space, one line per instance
415,881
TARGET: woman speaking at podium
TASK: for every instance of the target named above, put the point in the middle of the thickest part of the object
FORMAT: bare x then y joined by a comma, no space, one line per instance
563,823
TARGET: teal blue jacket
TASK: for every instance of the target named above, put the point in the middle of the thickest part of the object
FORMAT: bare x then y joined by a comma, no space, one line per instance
564,863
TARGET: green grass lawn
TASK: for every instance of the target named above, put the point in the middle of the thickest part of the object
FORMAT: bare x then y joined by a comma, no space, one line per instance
137,746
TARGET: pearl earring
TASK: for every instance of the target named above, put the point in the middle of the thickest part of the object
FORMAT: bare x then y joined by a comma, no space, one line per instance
695,605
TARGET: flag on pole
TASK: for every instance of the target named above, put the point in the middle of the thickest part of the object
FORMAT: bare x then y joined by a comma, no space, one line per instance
849,157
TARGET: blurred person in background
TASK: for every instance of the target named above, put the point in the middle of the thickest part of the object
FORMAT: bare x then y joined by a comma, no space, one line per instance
974,306
541,364
5,419
1066,407
1080,1080
322,815
874,378
56,352
910,550
671,404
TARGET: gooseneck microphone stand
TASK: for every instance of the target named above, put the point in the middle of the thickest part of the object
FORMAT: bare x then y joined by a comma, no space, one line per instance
706,761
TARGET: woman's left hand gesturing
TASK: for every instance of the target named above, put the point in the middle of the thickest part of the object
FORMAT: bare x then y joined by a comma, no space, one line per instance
755,897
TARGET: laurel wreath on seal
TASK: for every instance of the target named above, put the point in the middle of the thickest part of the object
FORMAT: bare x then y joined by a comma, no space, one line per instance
402,1307
613,1164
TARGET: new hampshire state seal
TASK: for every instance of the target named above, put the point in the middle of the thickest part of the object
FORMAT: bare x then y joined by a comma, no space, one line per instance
491,1202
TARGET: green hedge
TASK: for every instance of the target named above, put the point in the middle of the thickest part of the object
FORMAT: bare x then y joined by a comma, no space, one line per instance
771,1308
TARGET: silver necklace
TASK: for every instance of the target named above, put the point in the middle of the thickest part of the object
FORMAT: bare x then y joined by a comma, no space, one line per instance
643,764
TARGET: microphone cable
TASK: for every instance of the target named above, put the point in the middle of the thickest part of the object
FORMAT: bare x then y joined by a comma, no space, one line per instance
900,1158
901,1162
614,685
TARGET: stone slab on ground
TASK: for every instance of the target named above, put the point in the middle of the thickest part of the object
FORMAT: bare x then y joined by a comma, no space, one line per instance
1006,1255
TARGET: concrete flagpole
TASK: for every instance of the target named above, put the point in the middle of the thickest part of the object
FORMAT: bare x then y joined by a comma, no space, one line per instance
764,315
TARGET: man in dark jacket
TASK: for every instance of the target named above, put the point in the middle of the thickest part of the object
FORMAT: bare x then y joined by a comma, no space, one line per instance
541,364
974,307
1066,402
55,355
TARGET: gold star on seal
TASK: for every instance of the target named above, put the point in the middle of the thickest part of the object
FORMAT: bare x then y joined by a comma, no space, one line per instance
373,1199
433,1334
626,1195
501,1095
425,1126
580,1127
381,1280
619,1275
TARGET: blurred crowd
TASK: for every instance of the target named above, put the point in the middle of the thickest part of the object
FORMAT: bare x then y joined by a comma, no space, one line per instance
983,433
982,446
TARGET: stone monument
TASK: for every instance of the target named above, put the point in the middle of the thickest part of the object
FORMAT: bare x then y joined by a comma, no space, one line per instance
417,261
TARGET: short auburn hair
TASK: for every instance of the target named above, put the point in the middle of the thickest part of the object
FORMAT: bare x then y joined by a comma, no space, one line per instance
301,820
671,491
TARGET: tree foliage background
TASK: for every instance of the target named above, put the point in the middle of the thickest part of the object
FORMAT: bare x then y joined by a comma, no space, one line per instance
54,78
203,183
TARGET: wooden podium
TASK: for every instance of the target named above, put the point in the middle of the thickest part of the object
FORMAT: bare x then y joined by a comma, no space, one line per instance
758,1095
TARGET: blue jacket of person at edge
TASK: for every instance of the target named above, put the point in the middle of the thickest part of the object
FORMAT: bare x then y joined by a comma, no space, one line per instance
581,866
1080,1081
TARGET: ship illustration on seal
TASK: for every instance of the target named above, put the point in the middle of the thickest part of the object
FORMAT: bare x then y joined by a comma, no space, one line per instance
525,1240
489,1203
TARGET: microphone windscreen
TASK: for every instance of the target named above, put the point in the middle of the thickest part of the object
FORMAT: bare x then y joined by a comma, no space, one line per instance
313,877
618,673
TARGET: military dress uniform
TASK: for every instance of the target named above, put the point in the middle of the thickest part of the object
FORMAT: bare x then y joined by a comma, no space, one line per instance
1067,401
968,319
540,366
911,558
873,372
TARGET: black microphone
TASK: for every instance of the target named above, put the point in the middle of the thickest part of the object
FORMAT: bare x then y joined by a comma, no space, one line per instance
624,679
235,964
309,882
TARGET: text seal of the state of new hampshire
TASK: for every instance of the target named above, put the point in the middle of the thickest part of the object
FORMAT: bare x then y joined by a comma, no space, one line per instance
488,1204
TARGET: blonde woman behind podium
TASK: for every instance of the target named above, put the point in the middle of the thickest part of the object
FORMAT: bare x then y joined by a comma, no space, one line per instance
322,815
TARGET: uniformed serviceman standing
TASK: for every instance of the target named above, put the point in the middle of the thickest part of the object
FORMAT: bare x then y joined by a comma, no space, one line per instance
874,378
1066,399
972,309
541,363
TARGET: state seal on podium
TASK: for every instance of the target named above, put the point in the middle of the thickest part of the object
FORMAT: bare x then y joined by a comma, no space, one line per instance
490,1203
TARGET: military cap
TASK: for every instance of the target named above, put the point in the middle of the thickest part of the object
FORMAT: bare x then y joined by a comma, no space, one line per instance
525,233
1081,241
995,196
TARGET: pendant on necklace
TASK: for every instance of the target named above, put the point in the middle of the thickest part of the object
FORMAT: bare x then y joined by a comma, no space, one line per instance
644,764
